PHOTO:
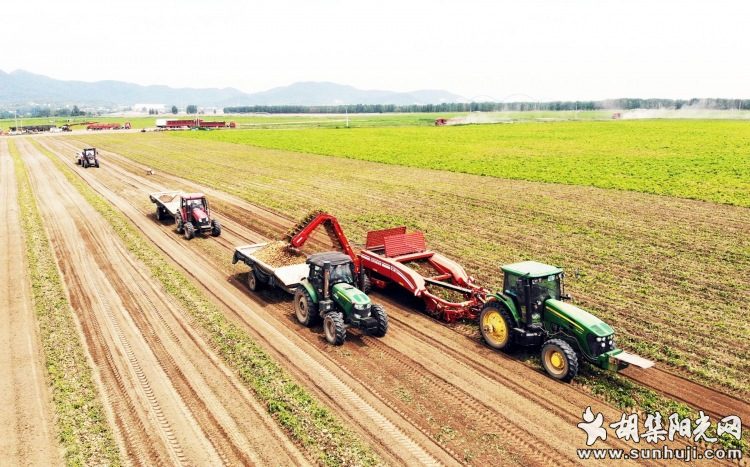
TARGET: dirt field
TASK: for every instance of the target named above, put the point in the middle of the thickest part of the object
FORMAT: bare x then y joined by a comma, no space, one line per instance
169,397
428,393
27,431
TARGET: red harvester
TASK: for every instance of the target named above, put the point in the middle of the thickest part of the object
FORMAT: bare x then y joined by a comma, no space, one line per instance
393,255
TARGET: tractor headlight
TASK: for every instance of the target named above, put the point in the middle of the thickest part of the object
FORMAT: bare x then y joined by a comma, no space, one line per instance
598,339
535,317
360,306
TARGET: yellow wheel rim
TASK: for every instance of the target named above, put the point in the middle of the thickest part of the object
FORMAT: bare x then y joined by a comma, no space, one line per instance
556,362
494,328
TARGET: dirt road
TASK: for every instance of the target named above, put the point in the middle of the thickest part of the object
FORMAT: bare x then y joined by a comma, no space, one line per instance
27,431
169,397
477,405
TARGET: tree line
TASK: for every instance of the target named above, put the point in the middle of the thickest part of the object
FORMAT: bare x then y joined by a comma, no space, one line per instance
624,103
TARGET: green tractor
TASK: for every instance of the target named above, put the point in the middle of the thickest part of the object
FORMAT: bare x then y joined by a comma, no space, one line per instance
532,312
330,292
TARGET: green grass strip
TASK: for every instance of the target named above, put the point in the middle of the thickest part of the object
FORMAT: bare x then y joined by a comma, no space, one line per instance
79,416
308,422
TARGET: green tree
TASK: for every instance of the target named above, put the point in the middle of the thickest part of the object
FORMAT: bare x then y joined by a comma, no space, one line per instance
76,112
192,109
174,109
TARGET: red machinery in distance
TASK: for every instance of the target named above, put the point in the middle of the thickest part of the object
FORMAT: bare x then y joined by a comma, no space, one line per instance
395,256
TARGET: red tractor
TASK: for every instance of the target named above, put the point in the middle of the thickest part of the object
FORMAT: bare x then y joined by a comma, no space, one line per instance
190,211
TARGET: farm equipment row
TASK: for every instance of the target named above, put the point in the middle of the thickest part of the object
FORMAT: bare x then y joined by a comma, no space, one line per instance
531,311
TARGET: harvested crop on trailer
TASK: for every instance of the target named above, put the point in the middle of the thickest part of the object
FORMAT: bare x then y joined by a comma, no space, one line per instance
277,254
166,198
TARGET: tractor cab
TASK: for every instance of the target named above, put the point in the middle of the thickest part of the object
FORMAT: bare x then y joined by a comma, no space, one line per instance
530,284
330,292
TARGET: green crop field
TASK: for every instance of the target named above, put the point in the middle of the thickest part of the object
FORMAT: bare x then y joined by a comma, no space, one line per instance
698,159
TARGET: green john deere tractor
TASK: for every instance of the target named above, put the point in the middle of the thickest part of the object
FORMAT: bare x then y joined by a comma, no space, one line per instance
330,292
532,311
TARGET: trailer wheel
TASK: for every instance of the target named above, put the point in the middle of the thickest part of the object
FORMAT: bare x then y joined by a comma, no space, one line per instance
304,308
189,230
252,280
158,213
215,228
495,324
96,164
559,360
334,328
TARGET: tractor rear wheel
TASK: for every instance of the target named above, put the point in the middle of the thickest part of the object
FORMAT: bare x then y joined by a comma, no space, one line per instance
559,360
304,308
334,328
215,228
495,324
189,230
378,312
252,280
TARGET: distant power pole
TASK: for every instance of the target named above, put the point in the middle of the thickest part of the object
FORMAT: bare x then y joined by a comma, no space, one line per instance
346,110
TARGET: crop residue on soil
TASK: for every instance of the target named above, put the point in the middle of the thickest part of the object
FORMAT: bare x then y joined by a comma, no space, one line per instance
277,254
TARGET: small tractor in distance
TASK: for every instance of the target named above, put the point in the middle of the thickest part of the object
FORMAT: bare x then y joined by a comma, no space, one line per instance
88,157
532,312
190,211
329,292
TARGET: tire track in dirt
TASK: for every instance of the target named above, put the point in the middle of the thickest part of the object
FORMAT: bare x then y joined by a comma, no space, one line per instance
179,397
27,429
426,364
393,435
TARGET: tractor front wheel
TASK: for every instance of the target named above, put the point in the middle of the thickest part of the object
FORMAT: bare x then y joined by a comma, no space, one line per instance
180,226
304,308
379,314
559,360
495,324
215,228
189,230
333,326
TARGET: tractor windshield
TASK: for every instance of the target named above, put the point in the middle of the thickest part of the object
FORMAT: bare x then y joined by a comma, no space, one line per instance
547,287
342,273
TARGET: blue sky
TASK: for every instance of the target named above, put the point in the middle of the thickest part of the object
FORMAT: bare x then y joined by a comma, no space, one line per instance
578,49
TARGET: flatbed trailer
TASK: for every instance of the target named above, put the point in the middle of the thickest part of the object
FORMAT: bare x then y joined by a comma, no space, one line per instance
286,278
167,203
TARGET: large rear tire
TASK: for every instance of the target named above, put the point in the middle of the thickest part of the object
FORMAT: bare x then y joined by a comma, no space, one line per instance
189,230
495,324
559,360
304,308
215,228
334,328
382,318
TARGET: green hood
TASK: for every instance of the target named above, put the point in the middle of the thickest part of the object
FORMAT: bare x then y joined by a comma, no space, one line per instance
583,320
346,294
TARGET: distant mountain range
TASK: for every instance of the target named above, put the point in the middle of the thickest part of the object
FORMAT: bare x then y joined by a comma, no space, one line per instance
25,88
